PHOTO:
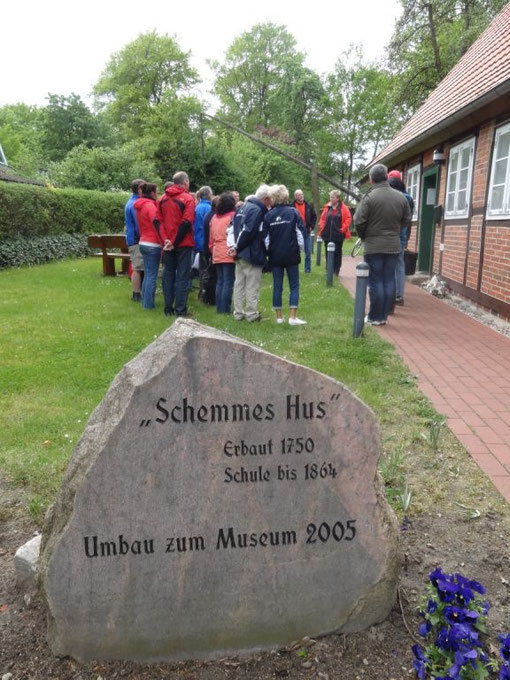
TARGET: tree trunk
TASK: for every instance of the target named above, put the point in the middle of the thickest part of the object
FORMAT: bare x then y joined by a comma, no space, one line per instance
433,40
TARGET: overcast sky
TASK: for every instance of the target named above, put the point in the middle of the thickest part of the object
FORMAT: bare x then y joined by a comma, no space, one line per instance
61,46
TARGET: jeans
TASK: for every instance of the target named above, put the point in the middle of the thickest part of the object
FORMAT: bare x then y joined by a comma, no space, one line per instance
337,262
308,253
225,275
176,278
293,276
400,273
151,259
381,284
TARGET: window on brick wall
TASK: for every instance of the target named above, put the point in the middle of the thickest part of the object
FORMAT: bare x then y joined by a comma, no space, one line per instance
460,173
413,187
498,205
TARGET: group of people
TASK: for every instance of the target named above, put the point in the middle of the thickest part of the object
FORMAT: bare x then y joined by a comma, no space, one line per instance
233,242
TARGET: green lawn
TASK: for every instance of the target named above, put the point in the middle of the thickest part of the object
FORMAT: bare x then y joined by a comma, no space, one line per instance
66,331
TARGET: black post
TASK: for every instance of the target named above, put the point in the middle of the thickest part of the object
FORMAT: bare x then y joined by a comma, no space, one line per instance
312,234
330,263
319,248
360,298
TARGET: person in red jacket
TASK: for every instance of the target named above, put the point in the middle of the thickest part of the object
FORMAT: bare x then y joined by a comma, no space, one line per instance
150,241
223,262
334,226
177,213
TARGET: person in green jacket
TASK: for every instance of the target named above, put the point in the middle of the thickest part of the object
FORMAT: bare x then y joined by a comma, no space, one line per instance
381,215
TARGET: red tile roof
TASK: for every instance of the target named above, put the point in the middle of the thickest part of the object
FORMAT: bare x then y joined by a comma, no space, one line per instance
484,67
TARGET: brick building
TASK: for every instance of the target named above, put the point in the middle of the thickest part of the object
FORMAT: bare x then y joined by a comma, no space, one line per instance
455,156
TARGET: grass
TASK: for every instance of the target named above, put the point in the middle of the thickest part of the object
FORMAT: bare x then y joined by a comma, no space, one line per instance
66,331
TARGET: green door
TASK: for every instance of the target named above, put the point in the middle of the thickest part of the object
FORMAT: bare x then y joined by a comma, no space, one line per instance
428,201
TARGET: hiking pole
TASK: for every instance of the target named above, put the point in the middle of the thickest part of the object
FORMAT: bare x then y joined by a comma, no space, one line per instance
319,248
330,263
360,298
311,240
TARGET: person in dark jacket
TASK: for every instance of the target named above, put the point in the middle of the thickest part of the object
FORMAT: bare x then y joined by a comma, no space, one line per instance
380,217
309,217
395,182
334,226
177,213
285,239
246,241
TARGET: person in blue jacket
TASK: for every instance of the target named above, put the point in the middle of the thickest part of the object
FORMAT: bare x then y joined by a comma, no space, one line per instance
132,238
246,240
285,240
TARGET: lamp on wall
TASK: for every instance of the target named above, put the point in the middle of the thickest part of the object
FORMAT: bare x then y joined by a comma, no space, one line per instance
438,155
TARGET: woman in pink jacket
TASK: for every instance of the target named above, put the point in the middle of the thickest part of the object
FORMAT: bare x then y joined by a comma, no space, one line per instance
223,262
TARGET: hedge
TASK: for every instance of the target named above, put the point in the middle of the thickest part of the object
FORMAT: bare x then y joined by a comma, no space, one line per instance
28,211
21,251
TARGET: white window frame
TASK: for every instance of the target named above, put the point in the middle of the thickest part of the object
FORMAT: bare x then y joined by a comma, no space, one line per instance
413,182
504,213
3,159
457,150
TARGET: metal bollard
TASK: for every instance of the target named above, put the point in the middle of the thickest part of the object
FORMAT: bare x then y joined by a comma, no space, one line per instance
330,263
360,299
319,248
312,234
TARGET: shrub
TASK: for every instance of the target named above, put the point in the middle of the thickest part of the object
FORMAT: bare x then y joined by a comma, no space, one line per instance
29,211
21,251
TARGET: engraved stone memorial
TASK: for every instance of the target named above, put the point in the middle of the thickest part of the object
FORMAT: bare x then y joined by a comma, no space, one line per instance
221,500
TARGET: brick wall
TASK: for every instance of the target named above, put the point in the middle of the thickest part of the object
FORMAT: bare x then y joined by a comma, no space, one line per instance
481,169
454,255
475,242
496,266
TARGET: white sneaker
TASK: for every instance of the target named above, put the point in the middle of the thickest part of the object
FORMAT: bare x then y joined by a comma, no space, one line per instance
280,320
297,322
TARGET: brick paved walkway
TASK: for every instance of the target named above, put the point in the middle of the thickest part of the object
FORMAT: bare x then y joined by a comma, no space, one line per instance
462,366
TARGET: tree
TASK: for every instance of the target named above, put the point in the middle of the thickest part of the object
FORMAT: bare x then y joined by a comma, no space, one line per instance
361,118
67,122
101,169
139,77
429,38
21,137
251,80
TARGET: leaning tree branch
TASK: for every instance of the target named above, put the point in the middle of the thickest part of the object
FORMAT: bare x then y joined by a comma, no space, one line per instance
286,155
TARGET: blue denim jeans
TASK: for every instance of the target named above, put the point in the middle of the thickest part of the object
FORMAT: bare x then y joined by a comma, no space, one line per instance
400,273
151,259
176,277
308,253
381,284
225,275
293,276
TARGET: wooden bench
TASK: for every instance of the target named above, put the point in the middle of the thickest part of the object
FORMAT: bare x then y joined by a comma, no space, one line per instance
105,242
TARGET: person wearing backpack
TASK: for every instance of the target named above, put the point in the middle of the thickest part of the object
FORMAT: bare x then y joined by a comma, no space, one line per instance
177,213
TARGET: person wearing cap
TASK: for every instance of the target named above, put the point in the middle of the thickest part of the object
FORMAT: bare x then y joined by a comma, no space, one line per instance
380,217
395,182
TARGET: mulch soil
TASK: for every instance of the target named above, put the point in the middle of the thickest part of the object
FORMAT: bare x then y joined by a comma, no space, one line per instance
476,547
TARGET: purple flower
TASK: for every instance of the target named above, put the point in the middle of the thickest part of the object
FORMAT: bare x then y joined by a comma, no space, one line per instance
425,628
504,673
485,607
456,615
435,575
461,659
420,662
431,607
505,648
